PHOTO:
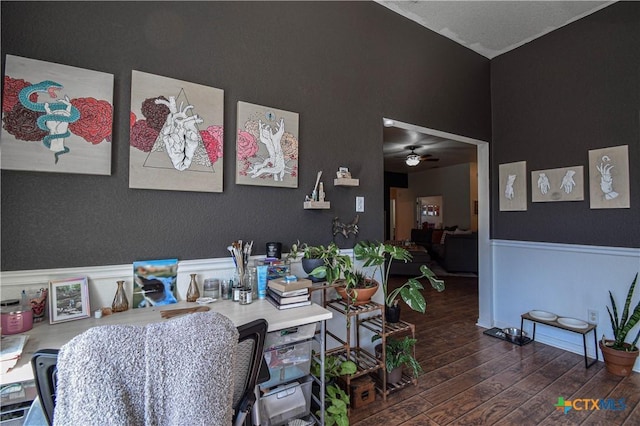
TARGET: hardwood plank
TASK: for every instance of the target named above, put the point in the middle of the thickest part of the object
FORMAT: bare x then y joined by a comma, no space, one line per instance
473,379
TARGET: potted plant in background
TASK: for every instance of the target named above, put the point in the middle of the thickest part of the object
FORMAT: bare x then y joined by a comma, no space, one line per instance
375,254
336,399
399,353
619,355
357,288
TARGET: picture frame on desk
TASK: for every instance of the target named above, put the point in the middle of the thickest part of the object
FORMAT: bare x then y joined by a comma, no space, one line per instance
68,300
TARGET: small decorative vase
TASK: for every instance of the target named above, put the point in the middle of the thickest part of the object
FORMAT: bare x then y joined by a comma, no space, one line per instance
193,293
120,302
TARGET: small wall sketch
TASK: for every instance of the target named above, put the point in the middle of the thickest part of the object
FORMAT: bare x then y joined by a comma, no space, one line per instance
563,184
609,178
176,138
266,146
513,186
56,118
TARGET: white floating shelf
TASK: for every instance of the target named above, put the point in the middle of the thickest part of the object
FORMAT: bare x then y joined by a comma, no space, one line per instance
317,205
346,182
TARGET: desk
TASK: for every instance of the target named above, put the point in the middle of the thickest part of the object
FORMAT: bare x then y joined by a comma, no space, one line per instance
53,336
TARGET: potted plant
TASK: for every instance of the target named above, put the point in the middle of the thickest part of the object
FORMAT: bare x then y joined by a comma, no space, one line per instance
332,264
398,354
358,288
375,254
336,399
619,355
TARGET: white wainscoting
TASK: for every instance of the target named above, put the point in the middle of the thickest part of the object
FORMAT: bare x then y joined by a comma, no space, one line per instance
564,279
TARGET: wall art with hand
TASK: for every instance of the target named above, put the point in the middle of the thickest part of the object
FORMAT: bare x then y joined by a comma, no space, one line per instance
609,177
266,146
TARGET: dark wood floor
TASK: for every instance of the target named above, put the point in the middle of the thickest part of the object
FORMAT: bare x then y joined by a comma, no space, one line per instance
473,379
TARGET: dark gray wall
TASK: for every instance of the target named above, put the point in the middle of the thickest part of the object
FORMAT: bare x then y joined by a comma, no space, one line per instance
554,99
341,65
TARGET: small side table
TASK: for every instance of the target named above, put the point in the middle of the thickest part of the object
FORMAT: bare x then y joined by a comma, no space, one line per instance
583,331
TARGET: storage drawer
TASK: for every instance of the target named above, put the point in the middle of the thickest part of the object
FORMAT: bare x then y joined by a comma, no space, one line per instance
290,335
286,402
287,363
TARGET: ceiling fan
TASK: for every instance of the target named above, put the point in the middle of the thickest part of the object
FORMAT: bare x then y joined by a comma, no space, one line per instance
414,159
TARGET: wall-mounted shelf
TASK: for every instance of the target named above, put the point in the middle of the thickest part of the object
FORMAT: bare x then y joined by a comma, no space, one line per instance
317,205
346,182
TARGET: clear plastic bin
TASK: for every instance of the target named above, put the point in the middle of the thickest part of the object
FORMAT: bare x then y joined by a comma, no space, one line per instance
286,402
290,335
287,363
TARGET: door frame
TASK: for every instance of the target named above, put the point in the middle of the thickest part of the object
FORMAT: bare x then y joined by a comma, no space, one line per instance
485,255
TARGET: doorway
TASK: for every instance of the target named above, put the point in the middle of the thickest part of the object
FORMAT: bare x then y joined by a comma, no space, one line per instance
485,291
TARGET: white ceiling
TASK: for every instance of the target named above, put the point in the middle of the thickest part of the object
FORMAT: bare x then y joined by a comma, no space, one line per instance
491,28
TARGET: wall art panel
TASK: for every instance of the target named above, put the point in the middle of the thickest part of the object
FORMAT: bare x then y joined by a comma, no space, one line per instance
56,118
177,130
609,178
513,186
563,184
266,146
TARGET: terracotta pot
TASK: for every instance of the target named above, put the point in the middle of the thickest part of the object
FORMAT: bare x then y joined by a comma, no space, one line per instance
392,313
618,362
362,295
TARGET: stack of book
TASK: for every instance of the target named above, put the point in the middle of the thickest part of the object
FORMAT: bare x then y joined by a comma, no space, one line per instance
285,294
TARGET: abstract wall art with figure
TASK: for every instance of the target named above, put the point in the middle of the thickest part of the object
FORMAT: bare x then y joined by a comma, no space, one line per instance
266,146
609,178
56,118
154,282
176,136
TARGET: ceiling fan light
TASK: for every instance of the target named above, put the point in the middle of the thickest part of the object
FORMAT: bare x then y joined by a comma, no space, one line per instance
412,160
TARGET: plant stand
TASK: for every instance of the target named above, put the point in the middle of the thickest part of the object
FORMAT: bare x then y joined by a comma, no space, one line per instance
371,317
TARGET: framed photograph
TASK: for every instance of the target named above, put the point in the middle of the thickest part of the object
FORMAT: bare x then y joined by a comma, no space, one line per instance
69,299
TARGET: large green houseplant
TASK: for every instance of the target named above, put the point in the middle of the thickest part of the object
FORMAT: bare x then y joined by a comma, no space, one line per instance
336,399
376,254
620,355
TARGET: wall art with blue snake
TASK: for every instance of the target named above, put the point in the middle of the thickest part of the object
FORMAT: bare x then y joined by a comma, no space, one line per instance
56,118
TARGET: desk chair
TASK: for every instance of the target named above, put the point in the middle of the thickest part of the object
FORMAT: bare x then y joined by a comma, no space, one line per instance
249,366
250,370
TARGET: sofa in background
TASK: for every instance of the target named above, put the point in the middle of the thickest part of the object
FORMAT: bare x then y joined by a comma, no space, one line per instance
453,249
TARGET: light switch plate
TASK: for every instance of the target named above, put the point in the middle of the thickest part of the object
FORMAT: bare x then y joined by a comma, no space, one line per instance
359,204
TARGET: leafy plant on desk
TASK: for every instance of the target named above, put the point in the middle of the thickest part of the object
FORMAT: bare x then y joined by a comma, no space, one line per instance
336,400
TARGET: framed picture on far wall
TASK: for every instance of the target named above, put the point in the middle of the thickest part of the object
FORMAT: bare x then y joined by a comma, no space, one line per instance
69,299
